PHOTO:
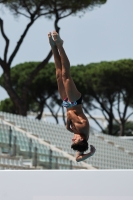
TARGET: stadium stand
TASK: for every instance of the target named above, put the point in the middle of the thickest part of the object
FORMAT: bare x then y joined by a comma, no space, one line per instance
43,145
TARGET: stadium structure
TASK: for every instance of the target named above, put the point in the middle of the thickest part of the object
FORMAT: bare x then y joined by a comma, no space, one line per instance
31,144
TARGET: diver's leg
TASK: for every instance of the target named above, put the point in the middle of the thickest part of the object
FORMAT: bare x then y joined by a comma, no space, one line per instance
58,67
72,93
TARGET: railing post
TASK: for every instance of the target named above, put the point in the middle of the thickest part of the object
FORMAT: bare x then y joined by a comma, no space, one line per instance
71,164
14,146
30,147
56,167
10,140
35,157
50,159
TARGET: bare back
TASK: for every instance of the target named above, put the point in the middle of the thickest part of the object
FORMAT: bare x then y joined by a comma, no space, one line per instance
79,122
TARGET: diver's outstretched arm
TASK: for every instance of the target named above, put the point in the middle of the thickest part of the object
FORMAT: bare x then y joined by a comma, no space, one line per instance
80,156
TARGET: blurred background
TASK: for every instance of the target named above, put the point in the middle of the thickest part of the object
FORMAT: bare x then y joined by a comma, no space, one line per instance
98,41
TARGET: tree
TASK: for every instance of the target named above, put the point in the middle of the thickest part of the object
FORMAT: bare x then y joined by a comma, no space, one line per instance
33,10
109,84
43,89
104,86
128,130
7,106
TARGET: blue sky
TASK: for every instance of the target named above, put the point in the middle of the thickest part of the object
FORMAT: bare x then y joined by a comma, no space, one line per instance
103,34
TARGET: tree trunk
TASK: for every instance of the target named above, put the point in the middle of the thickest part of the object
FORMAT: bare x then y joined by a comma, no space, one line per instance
19,104
110,127
122,129
39,116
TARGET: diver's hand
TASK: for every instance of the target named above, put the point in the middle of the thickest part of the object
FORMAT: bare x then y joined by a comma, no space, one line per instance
68,124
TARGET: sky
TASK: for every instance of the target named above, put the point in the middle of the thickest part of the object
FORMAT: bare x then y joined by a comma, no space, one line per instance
103,34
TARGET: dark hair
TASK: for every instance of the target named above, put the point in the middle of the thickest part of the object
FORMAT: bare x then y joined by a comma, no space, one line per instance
80,146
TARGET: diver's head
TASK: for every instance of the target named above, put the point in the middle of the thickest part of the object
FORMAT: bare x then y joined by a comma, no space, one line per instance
79,143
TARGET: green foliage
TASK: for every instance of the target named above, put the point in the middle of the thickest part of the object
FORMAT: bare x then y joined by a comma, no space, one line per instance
7,106
43,86
104,83
62,6
129,128
107,84
116,129
45,81
34,107
110,78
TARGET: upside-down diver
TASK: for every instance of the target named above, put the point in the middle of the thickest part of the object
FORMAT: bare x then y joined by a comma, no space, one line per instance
77,122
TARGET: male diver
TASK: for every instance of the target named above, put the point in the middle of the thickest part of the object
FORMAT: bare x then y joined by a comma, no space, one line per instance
77,122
